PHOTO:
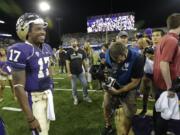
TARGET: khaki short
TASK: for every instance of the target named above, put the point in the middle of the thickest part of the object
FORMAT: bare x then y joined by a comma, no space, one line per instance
129,104
124,114
39,108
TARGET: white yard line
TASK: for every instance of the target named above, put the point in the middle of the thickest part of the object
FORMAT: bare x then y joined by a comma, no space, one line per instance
59,78
57,89
77,90
12,109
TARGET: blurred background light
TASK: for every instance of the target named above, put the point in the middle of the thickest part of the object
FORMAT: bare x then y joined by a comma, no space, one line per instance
2,21
44,6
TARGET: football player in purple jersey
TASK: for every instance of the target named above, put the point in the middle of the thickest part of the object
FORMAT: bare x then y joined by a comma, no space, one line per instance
30,63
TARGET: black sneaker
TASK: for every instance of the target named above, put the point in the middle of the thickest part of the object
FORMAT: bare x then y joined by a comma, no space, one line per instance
107,131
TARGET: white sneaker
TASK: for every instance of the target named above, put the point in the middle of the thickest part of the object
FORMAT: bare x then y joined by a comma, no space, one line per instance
75,101
87,99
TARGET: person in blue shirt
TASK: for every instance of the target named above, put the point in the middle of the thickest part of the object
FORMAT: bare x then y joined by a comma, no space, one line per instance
126,68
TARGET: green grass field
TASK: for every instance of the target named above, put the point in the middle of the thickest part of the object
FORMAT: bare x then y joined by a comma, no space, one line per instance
84,119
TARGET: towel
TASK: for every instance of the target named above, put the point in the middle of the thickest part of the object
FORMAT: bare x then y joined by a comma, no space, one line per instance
50,106
168,107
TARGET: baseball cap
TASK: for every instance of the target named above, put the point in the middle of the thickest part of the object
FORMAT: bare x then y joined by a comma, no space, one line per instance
148,31
122,33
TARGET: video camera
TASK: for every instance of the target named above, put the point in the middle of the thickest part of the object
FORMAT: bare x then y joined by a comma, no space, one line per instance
108,80
149,50
102,73
97,72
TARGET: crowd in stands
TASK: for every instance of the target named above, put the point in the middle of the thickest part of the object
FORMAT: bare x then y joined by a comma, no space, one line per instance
113,23
99,38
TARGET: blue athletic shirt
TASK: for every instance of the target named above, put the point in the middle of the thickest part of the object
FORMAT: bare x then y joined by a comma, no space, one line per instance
132,67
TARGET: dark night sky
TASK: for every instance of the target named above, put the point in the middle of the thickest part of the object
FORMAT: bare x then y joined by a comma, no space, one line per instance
73,13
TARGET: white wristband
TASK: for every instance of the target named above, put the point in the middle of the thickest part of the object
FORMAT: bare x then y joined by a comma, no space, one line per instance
18,85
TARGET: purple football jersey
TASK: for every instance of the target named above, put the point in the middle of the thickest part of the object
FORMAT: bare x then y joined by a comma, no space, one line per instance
4,67
35,61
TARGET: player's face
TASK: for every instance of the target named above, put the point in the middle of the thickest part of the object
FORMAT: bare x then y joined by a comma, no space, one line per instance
156,36
37,34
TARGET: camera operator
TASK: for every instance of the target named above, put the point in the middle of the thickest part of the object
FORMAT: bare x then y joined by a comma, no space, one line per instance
127,69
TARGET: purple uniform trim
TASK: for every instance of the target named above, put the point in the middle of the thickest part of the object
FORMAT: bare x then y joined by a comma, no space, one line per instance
35,62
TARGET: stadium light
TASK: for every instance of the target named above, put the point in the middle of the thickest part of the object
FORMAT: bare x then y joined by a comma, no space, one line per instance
2,21
44,6
5,35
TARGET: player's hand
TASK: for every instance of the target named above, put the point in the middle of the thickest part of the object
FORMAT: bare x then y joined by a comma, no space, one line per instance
34,125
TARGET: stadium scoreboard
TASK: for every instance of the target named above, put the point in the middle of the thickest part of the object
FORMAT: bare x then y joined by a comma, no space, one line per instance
111,22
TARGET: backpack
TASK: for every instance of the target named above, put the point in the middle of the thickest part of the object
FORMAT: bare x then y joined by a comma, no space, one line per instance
142,125
174,126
